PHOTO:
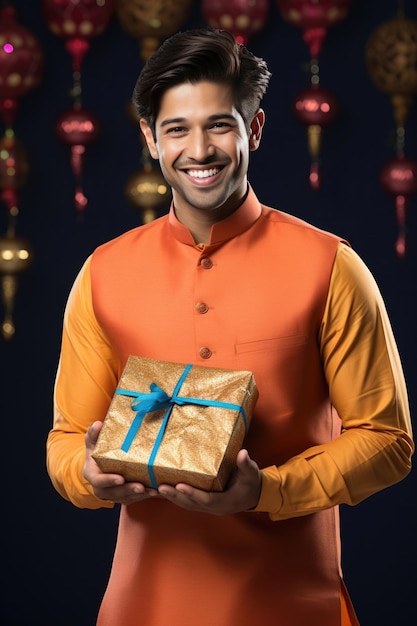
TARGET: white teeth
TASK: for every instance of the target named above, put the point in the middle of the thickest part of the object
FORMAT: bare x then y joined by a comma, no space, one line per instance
203,173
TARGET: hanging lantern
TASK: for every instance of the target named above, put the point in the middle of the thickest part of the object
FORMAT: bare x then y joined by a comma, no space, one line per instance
314,17
147,189
77,128
391,58
151,21
14,167
21,62
242,18
77,22
399,178
15,257
21,69
314,107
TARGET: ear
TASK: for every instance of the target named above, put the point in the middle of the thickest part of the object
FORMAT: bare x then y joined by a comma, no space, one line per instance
255,130
150,141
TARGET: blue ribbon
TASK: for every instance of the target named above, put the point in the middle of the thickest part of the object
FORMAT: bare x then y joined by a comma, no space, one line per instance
144,403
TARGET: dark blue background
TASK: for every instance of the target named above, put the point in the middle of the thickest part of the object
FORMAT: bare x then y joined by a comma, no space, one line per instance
57,557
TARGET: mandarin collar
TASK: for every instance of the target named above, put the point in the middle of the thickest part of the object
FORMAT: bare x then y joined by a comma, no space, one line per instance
246,215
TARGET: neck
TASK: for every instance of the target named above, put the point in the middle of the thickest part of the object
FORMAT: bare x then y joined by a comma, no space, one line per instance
198,227
200,221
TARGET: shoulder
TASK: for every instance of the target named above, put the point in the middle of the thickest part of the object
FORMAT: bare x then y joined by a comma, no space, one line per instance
301,243
296,225
131,237
137,241
351,273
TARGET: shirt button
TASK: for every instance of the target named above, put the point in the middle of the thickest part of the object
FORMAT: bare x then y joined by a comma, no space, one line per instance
202,307
206,263
205,353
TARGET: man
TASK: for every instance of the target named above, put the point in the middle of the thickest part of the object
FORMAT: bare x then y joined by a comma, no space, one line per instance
224,281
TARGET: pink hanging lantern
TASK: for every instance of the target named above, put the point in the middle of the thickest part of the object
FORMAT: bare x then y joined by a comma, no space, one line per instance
242,18
78,21
398,177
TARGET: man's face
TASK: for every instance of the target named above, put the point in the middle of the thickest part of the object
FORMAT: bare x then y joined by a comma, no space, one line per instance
202,146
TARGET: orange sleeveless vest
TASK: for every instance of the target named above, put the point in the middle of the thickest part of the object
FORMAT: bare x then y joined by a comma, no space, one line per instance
264,278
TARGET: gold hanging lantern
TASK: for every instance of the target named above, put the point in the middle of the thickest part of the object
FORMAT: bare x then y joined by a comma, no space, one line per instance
391,57
147,189
15,257
151,21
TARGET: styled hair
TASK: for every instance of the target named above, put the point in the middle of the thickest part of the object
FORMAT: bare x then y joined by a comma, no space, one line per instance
202,54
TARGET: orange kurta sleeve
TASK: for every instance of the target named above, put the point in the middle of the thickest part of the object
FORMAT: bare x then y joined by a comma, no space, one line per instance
368,390
87,369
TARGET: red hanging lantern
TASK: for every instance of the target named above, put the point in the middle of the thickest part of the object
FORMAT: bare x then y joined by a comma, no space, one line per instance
77,21
314,17
21,69
21,62
398,177
77,128
314,107
14,167
242,18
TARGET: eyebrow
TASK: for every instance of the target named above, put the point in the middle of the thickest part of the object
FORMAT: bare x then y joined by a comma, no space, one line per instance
211,118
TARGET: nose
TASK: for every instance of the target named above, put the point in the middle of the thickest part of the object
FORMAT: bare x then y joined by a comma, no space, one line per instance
199,146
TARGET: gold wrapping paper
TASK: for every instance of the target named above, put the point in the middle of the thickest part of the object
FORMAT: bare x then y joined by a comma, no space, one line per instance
200,443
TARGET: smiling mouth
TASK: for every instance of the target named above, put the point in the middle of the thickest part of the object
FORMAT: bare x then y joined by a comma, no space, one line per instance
203,173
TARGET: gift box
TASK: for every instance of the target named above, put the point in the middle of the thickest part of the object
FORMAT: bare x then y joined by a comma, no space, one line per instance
170,422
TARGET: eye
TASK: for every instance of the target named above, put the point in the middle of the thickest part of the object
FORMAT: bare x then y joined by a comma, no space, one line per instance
221,127
175,130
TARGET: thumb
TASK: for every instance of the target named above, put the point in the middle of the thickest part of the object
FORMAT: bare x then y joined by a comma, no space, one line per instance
92,435
244,463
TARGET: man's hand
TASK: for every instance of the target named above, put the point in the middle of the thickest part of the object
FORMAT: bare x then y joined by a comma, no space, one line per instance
241,494
111,487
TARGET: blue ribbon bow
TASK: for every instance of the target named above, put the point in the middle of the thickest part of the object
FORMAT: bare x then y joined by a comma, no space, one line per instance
144,403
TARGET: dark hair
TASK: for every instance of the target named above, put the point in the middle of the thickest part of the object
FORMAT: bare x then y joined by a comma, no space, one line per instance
201,55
